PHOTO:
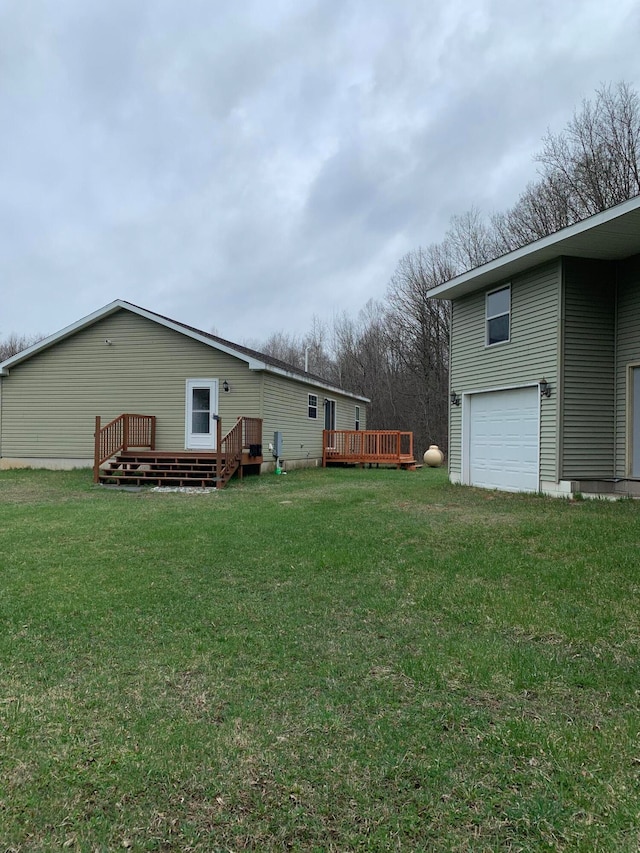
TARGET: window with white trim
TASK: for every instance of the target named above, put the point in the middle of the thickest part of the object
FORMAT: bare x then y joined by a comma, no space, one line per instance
313,406
357,417
498,316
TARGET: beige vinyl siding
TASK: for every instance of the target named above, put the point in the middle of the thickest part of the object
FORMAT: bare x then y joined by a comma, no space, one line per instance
50,401
286,410
531,353
628,352
587,423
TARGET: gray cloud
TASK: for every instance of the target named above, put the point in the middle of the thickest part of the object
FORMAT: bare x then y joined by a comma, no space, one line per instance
248,167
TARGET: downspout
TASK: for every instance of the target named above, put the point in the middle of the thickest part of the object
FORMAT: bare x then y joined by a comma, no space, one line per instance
614,427
449,413
560,377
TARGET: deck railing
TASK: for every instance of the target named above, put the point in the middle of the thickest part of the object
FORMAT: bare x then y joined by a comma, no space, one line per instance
121,433
246,433
252,435
139,431
391,447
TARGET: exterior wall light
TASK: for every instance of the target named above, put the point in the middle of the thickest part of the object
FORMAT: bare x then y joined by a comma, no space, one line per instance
455,399
545,388
226,387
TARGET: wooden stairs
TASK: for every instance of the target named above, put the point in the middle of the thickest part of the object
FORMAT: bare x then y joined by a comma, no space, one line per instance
149,467
125,455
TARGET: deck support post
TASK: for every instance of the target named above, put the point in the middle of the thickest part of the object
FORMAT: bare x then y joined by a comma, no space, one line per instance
96,451
218,446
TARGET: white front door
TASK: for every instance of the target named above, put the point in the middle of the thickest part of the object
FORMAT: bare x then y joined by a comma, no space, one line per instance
201,411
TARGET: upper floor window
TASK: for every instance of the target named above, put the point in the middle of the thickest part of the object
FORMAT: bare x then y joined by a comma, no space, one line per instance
498,314
313,406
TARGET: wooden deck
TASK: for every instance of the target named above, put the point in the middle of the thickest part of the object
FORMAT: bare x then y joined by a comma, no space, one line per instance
368,447
125,454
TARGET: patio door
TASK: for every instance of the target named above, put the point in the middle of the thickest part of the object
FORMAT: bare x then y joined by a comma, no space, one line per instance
201,411
329,414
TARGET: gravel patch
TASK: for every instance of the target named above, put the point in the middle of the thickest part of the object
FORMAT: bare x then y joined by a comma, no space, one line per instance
185,490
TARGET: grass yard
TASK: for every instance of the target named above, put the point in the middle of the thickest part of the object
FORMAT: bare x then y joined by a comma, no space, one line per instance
325,661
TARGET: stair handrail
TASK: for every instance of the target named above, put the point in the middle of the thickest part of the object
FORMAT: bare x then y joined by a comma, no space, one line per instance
230,453
244,433
125,431
252,433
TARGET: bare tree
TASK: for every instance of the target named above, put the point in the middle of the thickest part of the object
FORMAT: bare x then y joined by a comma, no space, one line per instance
542,209
309,351
595,159
419,329
364,362
317,356
593,164
468,243
286,347
17,343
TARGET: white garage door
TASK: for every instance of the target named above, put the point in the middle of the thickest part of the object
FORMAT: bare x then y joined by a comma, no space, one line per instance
503,444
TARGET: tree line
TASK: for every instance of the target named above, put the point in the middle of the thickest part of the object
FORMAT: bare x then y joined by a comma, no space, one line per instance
396,351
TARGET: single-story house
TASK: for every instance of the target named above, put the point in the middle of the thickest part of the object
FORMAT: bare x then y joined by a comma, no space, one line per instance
545,362
126,359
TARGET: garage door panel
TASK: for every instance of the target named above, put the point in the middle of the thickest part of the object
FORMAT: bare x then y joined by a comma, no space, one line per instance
504,440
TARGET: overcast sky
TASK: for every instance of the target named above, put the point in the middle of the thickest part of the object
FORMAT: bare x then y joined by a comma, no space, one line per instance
243,167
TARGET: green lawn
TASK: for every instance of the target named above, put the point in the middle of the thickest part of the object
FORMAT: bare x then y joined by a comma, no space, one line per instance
324,661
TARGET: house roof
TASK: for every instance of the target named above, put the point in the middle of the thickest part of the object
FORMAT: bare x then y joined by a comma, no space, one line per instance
611,235
254,359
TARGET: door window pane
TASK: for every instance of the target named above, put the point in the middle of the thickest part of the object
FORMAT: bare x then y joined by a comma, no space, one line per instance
201,399
200,423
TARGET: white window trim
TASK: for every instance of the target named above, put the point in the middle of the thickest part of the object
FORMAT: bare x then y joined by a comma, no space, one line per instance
312,406
495,316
